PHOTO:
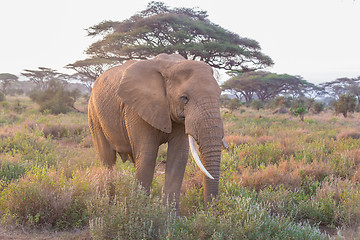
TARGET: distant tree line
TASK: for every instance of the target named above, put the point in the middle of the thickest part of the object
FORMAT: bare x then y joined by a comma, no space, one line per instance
260,88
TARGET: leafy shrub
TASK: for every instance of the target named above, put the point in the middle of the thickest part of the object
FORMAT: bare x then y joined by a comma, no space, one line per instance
49,199
233,104
11,170
318,107
300,112
345,104
55,99
257,104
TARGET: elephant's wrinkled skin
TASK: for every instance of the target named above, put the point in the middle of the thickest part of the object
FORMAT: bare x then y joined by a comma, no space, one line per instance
136,107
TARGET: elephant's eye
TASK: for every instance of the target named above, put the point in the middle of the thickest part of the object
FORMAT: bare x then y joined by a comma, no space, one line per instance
184,99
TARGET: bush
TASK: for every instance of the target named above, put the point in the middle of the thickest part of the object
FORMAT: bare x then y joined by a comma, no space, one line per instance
318,107
234,104
300,112
54,99
47,198
257,104
345,104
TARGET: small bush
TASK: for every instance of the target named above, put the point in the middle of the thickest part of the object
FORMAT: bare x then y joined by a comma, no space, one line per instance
345,104
318,107
50,199
55,99
257,104
233,104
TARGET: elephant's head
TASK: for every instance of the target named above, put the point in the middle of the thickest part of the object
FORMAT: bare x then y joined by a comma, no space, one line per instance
170,88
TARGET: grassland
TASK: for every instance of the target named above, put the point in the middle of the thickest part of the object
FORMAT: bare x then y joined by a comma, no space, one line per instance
281,179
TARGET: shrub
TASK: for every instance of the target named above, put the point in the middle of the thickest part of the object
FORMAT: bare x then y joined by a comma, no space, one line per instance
345,104
257,104
54,99
45,199
11,170
234,104
318,107
50,199
300,112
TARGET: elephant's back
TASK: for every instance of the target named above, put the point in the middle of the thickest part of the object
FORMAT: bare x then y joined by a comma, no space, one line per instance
104,95
105,106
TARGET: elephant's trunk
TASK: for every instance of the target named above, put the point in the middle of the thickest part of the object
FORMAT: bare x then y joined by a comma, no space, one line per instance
208,132
210,156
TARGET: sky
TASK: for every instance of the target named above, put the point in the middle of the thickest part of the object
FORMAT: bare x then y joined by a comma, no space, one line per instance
318,40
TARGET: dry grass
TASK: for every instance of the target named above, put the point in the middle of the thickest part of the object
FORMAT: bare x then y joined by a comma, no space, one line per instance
349,133
239,140
288,173
264,139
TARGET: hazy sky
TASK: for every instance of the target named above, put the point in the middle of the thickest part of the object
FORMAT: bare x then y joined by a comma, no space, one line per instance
316,39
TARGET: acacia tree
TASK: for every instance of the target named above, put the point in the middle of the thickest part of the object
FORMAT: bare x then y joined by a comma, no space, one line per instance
42,76
6,80
92,67
265,85
343,86
186,31
240,88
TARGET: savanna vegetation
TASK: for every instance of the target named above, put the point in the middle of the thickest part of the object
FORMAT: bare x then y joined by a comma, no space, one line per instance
292,170
281,178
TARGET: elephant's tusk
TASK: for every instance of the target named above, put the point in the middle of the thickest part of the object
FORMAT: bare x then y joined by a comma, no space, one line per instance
225,143
196,157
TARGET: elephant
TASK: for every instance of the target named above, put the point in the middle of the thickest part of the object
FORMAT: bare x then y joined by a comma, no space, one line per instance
136,107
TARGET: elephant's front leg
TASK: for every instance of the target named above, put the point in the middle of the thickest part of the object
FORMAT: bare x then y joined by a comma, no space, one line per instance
177,155
144,141
145,161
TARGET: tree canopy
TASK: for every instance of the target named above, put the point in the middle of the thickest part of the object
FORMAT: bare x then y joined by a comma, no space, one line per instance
343,86
265,85
6,80
42,76
186,31
92,68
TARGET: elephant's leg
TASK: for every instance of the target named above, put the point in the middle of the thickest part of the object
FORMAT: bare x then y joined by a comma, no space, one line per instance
106,153
145,162
177,155
145,141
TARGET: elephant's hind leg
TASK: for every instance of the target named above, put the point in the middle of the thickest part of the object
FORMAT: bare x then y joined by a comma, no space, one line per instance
105,151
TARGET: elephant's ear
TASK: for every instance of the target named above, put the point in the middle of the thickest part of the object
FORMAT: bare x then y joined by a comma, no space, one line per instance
142,87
